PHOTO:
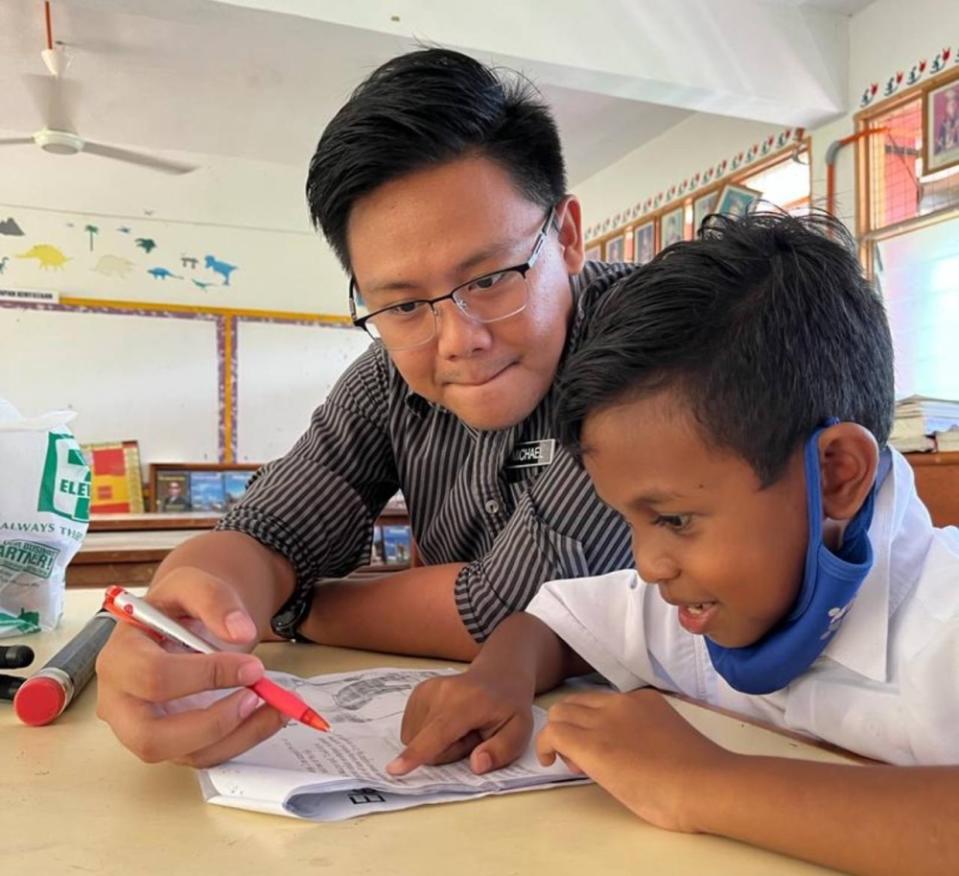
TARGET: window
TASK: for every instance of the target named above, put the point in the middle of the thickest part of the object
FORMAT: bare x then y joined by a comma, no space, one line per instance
918,275
909,222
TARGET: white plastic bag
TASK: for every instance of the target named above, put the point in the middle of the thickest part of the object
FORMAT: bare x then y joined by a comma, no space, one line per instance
44,512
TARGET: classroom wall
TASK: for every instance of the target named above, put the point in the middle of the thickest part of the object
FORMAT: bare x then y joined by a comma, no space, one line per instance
688,148
885,38
145,340
115,367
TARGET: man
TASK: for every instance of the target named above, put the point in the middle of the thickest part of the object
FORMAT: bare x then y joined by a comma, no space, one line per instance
442,190
175,500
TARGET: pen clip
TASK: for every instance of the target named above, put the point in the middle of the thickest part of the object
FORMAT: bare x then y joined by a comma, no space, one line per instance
125,613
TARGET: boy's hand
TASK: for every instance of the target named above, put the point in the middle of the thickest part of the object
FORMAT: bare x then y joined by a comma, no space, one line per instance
638,748
136,676
448,718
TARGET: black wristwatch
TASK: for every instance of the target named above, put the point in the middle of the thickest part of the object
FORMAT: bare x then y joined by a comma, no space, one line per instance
286,622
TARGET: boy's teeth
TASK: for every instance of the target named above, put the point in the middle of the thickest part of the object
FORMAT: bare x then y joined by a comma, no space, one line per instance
696,608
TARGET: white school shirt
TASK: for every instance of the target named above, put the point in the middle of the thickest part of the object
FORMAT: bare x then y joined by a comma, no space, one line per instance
886,686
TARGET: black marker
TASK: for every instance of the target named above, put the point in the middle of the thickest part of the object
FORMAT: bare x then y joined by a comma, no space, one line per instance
9,685
15,656
43,696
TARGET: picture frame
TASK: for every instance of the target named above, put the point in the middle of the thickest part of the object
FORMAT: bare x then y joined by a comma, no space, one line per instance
644,242
672,227
940,125
702,207
192,488
736,200
616,249
116,481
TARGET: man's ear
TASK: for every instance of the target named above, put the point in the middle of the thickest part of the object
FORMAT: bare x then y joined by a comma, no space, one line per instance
569,219
848,460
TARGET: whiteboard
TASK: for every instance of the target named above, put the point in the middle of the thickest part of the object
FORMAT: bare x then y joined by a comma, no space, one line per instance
283,372
149,379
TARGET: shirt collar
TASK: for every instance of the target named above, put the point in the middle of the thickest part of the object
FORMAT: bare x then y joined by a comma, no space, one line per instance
900,532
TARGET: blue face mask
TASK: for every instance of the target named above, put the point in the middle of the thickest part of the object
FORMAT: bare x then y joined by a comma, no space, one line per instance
830,584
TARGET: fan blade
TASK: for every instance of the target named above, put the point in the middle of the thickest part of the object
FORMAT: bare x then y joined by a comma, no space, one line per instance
56,98
139,158
13,141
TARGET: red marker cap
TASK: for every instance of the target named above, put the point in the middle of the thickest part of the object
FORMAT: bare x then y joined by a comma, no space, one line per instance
39,700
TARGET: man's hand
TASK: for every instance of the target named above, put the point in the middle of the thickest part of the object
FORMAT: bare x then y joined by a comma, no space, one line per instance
136,676
638,748
448,718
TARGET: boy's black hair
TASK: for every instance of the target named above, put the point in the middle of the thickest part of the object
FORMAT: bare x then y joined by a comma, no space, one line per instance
426,108
765,325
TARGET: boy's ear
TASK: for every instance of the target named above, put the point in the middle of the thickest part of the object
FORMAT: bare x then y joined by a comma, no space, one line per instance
570,234
848,459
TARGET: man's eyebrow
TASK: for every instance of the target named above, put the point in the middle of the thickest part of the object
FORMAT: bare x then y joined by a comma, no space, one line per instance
487,254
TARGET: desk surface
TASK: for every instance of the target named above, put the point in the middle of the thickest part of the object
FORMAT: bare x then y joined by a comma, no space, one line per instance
74,801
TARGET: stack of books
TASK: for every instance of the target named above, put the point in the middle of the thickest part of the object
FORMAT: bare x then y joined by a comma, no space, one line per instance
925,424
948,441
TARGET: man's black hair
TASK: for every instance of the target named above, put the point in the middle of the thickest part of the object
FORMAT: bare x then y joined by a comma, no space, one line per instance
765,326
423,109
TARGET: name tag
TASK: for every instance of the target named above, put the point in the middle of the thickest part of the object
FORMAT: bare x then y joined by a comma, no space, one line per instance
531,454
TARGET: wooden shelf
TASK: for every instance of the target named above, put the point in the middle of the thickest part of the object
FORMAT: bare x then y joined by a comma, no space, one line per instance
127,548
152,521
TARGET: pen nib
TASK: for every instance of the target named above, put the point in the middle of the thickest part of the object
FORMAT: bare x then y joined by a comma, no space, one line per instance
314,720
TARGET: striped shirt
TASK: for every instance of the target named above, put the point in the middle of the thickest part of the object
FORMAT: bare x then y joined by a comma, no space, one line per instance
470,498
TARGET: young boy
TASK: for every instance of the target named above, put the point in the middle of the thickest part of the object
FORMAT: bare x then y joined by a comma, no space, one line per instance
732,402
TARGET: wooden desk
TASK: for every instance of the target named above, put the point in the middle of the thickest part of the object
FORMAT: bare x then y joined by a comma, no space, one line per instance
76,802
937,482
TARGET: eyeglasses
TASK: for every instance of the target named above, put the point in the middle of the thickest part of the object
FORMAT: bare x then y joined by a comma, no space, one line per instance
490,298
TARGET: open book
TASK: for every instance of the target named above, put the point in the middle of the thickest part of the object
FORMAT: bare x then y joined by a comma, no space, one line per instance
342,774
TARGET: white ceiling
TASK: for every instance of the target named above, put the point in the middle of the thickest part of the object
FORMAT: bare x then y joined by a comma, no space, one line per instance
841,7
258,79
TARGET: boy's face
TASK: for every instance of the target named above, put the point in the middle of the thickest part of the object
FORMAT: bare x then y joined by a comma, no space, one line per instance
728,554
422,235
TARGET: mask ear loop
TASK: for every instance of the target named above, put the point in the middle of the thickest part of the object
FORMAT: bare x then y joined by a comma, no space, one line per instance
814,514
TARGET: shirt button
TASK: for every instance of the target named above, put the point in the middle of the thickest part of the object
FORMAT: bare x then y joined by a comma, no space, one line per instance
492,506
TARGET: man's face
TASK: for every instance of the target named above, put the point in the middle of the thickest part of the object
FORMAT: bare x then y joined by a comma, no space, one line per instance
727,553
424,234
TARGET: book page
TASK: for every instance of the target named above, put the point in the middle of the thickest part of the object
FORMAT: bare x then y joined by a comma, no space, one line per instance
365,710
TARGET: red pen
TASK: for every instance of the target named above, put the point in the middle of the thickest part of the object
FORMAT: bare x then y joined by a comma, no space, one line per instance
131,609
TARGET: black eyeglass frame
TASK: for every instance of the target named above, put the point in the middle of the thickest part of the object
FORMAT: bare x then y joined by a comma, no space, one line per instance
523,269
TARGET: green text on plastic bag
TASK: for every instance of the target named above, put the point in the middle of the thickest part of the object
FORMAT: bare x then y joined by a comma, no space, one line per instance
65,488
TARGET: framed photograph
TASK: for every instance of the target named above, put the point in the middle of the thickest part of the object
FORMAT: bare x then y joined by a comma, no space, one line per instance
616,249
644,242
940,126
702,207
173,492
397,545
672,227
594,253
234,485
736,200
189,487
206,491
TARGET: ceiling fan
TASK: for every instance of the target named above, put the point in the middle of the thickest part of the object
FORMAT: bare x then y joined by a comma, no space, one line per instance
55,97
